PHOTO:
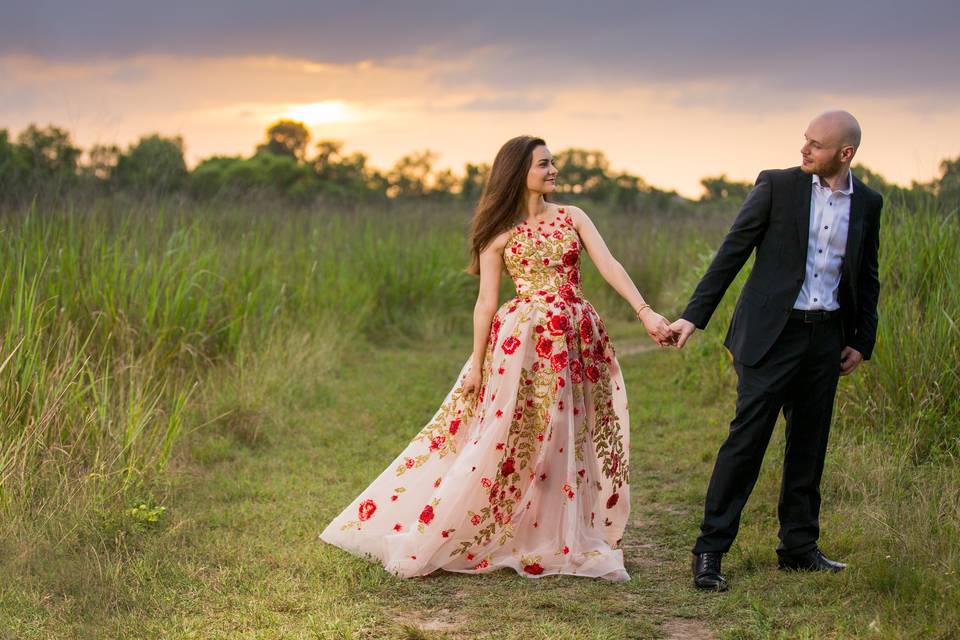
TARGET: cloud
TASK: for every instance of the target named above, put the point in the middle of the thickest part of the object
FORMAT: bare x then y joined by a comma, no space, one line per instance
506,103
861,46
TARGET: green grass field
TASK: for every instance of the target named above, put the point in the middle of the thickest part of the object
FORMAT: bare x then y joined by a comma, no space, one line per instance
188,397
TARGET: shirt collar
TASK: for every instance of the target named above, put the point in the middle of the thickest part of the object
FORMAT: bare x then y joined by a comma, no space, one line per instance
846,190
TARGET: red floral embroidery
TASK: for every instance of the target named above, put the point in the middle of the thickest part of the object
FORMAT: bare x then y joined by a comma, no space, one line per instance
559,361
612,500
534,568
544,347
507,468
397,527
510,345
426,515
558,325
568,293
367,507
586,329
454,425
593,373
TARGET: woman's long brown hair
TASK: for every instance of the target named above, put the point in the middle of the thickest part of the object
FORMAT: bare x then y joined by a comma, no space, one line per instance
503,201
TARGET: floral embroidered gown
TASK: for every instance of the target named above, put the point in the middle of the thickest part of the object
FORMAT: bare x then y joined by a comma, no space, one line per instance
534,474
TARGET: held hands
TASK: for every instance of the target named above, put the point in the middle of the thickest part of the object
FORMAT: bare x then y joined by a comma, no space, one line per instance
683,329
657,327
675,334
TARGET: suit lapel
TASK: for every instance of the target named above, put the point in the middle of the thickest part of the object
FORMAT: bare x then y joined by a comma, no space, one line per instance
803,194
851,260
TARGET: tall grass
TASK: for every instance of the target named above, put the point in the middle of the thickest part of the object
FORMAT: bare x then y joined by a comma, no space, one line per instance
115,317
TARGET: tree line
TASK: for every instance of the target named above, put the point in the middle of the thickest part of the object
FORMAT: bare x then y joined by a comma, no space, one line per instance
43,162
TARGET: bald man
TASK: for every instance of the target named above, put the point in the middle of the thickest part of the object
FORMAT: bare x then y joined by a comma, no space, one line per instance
807,315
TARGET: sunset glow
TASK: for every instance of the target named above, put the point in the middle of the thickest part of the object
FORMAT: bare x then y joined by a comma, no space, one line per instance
317,113
671,96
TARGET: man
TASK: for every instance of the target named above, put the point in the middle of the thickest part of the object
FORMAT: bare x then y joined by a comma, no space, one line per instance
807,314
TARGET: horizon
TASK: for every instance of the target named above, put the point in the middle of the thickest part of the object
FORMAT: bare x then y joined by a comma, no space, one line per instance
670,94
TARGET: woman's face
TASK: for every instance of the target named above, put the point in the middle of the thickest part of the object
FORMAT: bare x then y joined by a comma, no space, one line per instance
542,176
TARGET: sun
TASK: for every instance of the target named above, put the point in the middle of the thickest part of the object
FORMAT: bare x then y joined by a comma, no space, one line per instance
325,112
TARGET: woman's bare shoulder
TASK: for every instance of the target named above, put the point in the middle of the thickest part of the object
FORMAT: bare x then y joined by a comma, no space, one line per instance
499,241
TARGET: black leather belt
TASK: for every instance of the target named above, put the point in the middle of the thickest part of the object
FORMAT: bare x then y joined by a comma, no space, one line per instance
819,315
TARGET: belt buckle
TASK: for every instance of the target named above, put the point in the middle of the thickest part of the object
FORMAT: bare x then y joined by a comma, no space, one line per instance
812,316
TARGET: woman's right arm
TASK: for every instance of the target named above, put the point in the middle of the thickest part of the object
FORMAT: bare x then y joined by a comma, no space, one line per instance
488,300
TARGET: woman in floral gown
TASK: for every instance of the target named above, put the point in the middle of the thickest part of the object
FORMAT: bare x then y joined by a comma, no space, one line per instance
525,465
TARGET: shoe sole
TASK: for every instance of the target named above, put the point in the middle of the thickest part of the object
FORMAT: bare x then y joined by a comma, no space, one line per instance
722,587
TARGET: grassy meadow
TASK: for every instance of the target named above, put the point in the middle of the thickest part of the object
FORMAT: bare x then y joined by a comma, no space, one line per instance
189,392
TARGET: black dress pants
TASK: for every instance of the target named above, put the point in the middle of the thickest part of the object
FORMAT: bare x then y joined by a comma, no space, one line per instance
799,375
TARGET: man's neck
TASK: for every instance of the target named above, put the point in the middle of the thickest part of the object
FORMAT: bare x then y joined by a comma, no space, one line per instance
839,180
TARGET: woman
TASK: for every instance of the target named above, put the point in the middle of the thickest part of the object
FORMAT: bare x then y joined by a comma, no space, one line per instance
525,465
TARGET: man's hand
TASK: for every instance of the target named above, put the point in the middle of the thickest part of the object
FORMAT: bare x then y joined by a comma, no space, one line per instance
657,328
683,329
849,359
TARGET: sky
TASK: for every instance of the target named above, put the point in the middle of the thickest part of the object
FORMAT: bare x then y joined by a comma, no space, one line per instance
671,93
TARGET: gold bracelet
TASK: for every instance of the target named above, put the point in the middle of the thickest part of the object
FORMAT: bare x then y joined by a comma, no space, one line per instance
642,307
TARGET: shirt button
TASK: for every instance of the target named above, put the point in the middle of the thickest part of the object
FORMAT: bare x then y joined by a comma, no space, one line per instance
827,227
816,275
814,299
820,251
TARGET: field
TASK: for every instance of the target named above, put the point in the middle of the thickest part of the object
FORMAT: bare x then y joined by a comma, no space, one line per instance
188,393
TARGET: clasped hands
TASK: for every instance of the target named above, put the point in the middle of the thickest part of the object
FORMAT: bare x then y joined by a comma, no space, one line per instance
676,334
666,334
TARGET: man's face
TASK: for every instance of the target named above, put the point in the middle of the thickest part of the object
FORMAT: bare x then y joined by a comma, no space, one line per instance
822,150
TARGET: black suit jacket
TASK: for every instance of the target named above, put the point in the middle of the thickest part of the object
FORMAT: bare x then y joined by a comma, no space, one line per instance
775,220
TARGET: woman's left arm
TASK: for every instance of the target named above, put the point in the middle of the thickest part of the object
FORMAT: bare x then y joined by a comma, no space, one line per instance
618,278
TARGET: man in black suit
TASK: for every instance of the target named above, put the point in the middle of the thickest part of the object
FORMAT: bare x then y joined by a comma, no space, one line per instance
807,314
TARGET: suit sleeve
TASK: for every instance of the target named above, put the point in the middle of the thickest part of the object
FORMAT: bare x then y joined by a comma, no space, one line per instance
868,294
745,233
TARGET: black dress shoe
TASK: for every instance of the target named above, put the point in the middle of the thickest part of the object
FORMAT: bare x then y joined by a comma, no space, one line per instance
813,560
706,572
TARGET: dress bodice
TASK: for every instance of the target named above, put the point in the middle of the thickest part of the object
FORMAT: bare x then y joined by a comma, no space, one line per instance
545,259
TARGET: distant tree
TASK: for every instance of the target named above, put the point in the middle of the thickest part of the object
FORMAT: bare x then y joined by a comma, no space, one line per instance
582,171
270,175
342,176
48,157
475,177
720,188
12,166
410,176
101,162
444,183
208,179
623,190
871,178
948,186
154,164
286,138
